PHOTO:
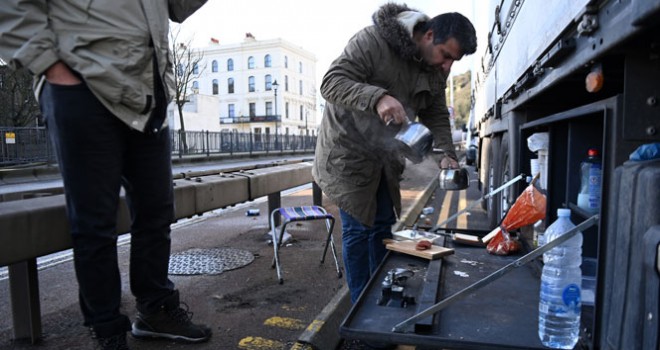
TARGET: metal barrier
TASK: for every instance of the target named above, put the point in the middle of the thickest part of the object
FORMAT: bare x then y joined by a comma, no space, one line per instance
31,144
25,145
35,227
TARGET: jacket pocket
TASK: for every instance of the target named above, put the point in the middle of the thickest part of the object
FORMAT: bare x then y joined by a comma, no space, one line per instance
349,166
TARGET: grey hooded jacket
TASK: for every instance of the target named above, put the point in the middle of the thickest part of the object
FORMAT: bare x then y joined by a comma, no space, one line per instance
355,148
109,43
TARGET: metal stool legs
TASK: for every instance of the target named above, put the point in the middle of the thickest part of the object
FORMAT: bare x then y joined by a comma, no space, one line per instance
291,214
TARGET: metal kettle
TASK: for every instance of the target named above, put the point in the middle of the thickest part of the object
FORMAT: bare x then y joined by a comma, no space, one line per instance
415,141
453,179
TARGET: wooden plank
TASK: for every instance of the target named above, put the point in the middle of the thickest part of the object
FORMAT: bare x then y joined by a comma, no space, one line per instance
408,247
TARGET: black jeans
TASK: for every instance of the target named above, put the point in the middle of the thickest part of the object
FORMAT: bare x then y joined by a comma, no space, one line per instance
98,154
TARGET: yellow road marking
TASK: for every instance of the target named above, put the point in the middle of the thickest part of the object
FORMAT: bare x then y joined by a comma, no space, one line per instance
462,219
315,326
300,346
257,343
285,322
446,204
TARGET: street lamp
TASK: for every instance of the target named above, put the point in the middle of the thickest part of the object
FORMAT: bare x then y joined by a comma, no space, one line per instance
275,85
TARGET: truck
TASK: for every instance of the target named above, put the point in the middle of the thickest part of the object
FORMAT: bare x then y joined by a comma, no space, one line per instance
578,75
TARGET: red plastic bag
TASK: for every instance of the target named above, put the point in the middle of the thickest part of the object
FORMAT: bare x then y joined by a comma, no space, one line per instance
503,244
528,209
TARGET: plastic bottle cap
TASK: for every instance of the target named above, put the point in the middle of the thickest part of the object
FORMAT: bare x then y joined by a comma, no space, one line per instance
592,152
563,212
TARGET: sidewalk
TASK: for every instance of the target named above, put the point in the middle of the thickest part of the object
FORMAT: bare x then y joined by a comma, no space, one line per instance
245,306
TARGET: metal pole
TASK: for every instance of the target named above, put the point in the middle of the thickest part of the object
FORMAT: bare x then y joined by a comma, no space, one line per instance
497,274
486,196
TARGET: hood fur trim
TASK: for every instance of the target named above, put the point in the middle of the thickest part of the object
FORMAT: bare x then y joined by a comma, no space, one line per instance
395,23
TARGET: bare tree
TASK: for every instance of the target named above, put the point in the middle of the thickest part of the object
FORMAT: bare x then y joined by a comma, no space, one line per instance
187,68
18,106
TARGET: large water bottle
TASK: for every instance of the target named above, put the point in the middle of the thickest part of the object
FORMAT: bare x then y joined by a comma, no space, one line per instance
560,304
590,169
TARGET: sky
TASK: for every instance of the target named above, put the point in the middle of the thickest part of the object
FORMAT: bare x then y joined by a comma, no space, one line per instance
320,27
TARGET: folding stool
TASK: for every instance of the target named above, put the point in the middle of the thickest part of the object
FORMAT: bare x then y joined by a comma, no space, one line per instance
304,213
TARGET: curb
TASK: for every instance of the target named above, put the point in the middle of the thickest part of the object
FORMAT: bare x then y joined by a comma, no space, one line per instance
323,332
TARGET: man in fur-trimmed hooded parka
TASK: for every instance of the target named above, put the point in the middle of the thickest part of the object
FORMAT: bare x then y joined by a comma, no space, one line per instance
389,73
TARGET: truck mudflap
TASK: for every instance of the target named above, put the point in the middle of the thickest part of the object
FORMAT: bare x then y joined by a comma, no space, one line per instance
501,315
631,285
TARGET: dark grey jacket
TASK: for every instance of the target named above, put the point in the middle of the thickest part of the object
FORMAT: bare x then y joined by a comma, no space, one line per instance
355,148
107,41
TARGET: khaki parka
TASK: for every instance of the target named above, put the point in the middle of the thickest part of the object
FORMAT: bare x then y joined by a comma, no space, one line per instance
355,149
109,43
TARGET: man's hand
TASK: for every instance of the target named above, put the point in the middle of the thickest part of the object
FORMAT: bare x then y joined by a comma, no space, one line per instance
448,162
60,74
390,110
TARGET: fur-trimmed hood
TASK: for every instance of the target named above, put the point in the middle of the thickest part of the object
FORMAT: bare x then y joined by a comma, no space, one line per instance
395,23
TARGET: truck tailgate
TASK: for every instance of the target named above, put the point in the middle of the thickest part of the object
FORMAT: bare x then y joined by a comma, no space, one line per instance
501,315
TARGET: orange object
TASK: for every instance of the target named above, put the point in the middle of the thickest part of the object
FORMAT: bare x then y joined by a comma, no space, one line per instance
502,244
594,81
528,209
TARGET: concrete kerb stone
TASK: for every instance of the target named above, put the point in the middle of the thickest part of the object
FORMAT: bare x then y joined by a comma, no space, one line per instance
323,332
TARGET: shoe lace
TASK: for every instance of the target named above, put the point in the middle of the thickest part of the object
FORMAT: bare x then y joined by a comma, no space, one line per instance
181,314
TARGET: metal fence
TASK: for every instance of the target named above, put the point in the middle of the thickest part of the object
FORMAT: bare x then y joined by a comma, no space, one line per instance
207,142
27,145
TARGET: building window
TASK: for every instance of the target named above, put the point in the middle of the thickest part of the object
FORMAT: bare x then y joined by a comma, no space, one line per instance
300,67
250,62
179,70
230,110
195,86
268,82
300,87
251,84
301,112
230,85
253,109
268,61
214,66
269,108
196,69
230,65
215,86
286,110
286,61
286,83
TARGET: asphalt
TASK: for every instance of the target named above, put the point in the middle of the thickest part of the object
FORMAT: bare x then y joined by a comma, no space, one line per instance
246,307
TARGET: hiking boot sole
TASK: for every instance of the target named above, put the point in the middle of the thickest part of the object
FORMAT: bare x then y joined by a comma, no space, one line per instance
147,335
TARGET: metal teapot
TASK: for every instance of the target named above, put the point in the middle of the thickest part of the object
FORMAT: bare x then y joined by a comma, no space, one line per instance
415,141
453,179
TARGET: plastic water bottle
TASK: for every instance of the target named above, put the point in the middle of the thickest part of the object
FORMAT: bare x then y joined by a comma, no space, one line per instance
560,304
589,196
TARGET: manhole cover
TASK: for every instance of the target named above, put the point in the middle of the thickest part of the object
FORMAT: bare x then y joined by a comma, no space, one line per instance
208,261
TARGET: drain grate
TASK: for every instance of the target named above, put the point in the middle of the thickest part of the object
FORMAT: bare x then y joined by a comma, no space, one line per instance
208,261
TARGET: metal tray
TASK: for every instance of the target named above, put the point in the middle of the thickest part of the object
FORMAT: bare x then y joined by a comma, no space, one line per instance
501,315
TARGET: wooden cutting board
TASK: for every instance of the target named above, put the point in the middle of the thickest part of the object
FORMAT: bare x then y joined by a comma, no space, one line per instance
408,247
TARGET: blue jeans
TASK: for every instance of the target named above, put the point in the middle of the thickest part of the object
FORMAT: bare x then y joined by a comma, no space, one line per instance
362,246
97,154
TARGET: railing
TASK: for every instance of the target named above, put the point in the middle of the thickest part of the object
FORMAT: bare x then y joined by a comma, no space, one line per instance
27,145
